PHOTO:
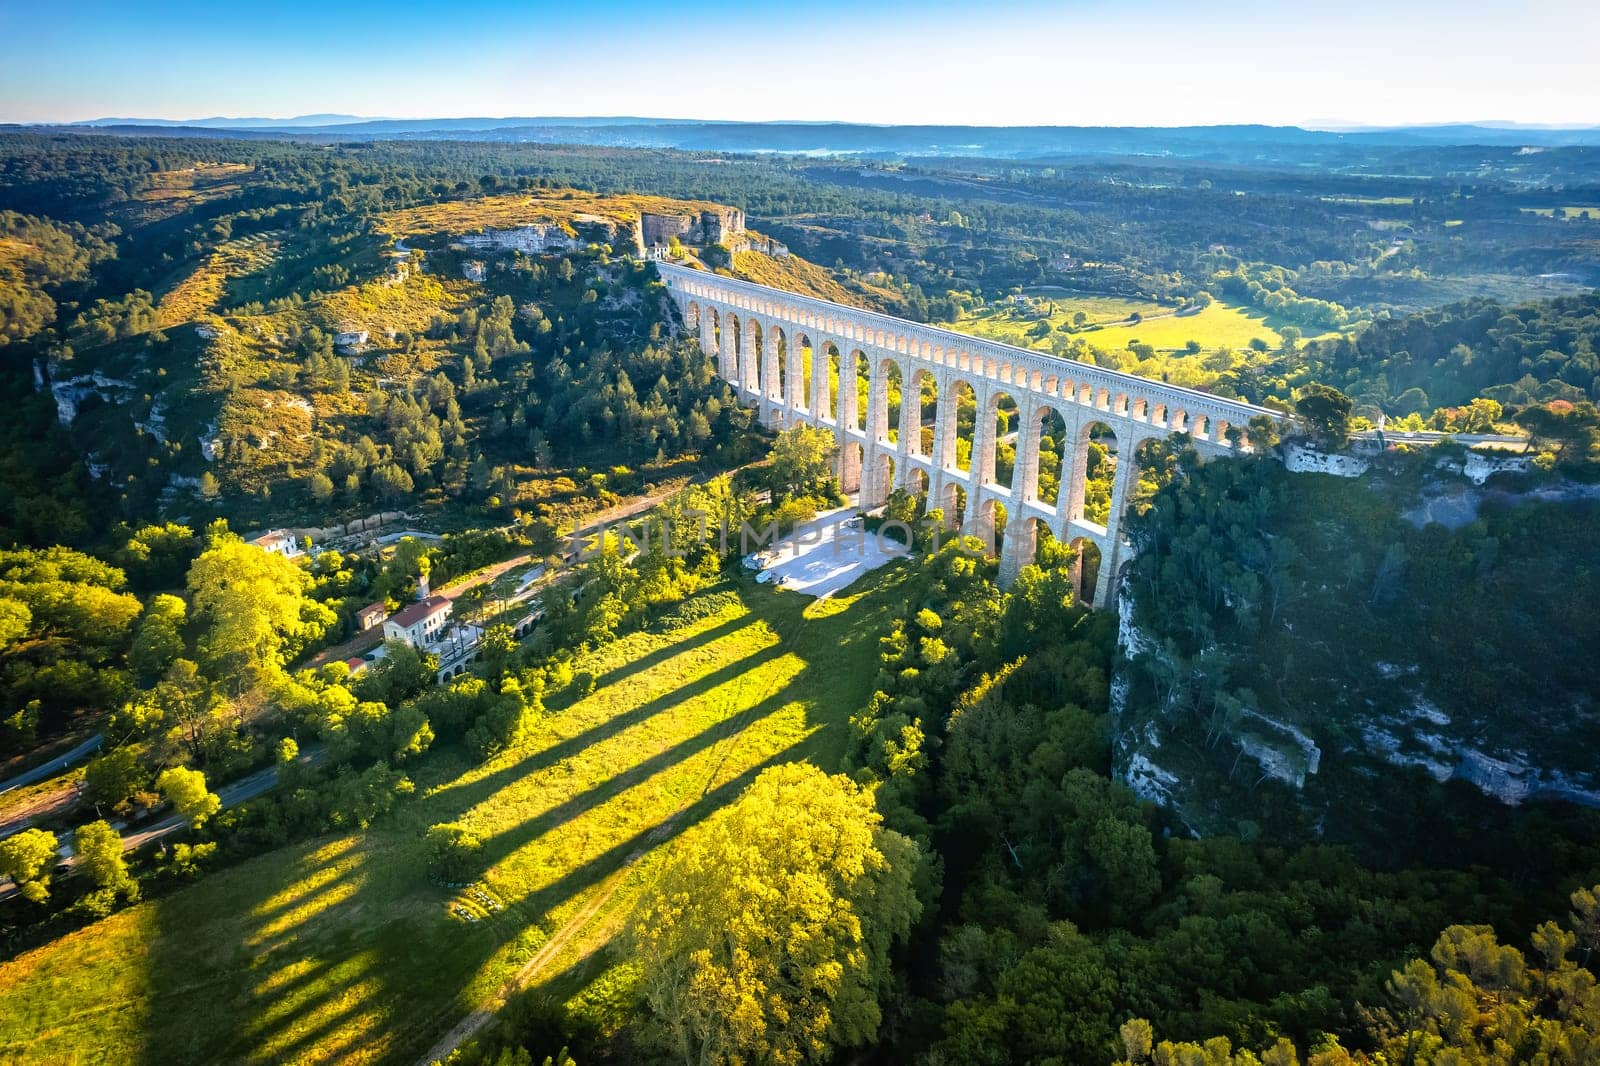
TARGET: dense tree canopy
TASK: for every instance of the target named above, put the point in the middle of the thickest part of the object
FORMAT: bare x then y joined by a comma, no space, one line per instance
767,937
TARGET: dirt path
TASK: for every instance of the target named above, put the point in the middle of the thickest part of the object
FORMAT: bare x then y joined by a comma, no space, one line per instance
473,1023
359,644
452,591
45,805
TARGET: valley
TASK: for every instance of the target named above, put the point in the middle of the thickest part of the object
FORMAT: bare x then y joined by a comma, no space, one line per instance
355,497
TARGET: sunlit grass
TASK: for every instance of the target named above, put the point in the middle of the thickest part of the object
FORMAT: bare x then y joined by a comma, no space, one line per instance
201,291
341,950
1218,325
1573,212
456,217
793,274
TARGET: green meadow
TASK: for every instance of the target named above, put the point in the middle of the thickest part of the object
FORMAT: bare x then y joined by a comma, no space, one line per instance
1107,324
1572,212
341,949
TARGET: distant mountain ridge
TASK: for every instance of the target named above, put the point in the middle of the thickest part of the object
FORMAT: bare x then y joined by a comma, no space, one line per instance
344,122
1242,141
219,122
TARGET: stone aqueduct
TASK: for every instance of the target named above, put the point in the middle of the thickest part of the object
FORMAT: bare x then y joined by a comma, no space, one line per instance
751,330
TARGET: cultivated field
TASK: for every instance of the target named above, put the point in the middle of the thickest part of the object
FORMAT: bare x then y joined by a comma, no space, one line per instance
1107,324
341,950
1572,212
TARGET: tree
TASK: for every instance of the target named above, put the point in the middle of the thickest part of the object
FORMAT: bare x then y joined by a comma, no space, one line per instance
186,790
1262,432
767,936
801,460
14,621
157,556
453,851
403,672
112,779
1571,428
28,858
255,609
392,482
1325,413
1138,1042
160,639
100,856
320,486
184,708
496,648
1474,1000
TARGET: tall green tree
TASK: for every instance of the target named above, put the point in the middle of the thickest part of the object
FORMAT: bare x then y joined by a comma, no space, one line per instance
160,638
801,460
1325,413
28,858
186,790
255,609
767,937
99,851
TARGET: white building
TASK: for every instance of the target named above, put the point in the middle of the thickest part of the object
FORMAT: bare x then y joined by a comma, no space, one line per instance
418,624
350,338
278,542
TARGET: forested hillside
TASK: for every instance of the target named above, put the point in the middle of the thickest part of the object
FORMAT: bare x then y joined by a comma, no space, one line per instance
1323,791
1515,355
1299,636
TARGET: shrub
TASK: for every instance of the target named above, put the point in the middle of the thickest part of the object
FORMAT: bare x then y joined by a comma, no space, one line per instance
453,852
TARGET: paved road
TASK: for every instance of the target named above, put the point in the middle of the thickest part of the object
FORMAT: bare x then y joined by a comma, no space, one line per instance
54,766
246,788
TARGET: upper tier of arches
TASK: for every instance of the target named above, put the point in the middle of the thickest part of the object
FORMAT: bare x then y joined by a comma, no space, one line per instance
1053,380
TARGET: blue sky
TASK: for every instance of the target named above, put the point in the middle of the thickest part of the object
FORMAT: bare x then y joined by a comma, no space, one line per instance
1069,62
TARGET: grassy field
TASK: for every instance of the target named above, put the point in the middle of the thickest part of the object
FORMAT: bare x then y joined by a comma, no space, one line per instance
794,274
378,306
341,950
200,292
1574,212
1219,325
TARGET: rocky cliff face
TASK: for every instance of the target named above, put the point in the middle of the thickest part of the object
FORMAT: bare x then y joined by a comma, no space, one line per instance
1217,790
720,225
1323,721
550,237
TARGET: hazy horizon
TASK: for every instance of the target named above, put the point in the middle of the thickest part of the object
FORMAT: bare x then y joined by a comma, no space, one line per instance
1151,64
327,118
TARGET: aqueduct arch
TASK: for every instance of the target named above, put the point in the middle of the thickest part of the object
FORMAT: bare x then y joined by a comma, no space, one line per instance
796,359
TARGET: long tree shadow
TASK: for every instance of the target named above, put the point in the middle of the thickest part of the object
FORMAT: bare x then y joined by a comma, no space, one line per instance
468,794
503,844
537,903
667,652
278,959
